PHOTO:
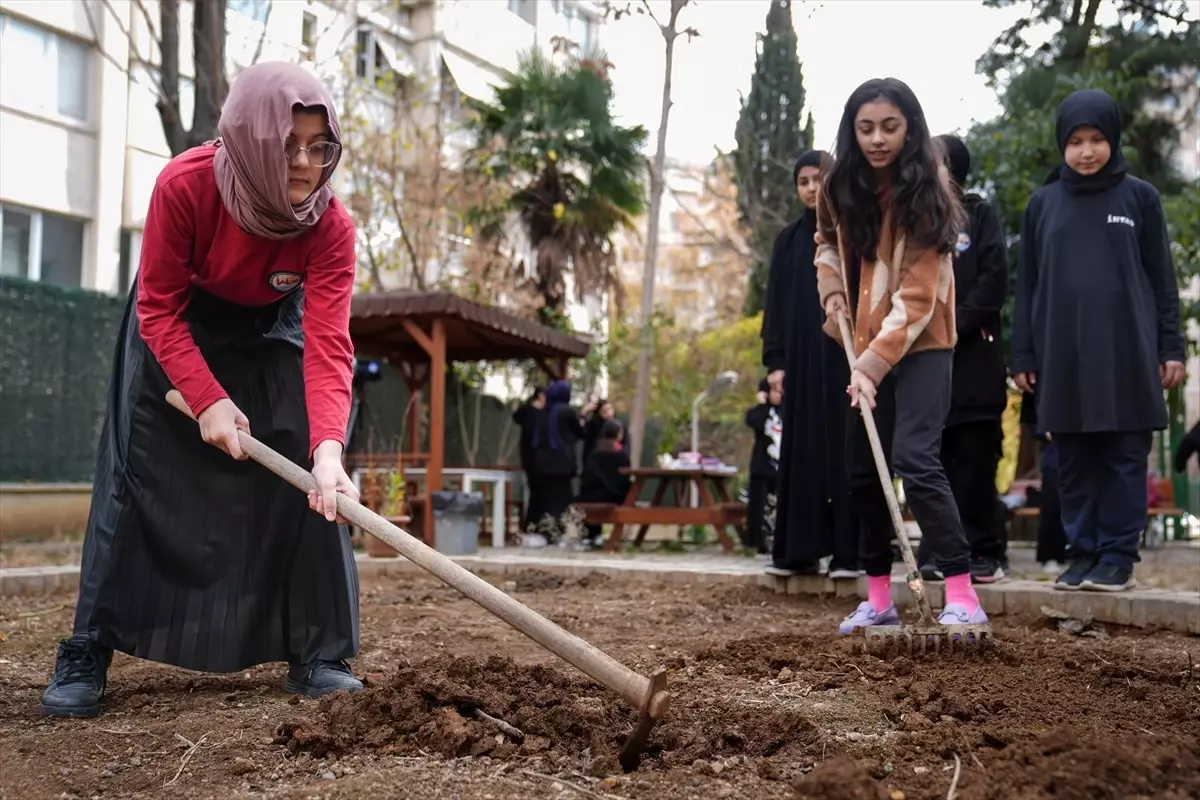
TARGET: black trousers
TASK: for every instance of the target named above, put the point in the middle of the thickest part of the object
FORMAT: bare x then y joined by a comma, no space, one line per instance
1102,488
1052,537
970,454
911,407
757,530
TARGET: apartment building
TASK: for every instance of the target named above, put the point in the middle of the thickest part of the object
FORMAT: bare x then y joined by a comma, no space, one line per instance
703,262
81,142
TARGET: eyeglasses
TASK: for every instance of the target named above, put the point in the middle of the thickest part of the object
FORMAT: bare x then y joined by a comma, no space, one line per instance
320,154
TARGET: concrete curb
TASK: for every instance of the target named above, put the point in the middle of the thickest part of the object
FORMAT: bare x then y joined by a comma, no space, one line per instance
1139,608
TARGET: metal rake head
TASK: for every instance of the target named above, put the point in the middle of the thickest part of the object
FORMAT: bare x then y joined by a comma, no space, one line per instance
921,639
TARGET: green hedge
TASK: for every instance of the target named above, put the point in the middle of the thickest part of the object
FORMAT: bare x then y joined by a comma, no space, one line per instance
56,350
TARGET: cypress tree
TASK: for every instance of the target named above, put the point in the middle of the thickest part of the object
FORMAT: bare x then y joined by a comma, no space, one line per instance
769,139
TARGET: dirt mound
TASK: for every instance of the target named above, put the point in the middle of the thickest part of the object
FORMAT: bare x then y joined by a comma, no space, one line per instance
840,778
1060,765
536,580
432,706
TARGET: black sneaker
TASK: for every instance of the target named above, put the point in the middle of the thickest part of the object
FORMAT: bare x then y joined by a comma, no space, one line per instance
930,573
986,570
779,571
80,676
319,678
1108,578
1072,579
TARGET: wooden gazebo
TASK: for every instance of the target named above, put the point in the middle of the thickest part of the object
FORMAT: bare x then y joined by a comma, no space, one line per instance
424,332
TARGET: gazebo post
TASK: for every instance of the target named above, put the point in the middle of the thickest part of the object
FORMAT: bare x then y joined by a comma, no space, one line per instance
437,422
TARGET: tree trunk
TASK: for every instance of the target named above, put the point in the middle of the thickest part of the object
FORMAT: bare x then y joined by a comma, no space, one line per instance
168,102
208,50
637,423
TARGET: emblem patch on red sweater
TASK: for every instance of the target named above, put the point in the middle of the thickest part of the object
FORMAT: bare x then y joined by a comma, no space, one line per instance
284,282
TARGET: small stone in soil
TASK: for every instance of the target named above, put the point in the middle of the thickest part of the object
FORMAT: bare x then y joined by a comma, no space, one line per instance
328,776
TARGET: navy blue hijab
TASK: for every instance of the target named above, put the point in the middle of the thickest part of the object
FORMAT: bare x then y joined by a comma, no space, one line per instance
1089,107
558,394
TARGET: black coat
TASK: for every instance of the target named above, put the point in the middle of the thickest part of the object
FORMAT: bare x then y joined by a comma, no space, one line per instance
1097,307
525,419
813,494
602,480
980,284
557,461
764,459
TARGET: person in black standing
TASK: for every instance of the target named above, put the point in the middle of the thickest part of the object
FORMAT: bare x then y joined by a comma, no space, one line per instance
556,438
603,480
597,413
525,418
1097,330
767,425
1051,538
973,436
813,516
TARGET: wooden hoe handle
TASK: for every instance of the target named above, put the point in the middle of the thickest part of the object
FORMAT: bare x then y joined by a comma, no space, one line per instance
636,689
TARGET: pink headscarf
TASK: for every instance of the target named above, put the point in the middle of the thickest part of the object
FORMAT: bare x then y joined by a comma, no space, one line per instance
251,165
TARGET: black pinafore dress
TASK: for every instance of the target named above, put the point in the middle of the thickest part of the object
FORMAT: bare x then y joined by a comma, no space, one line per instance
190,557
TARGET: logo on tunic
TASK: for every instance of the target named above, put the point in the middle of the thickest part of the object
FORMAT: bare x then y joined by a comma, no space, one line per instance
284,282
964,242
1117,219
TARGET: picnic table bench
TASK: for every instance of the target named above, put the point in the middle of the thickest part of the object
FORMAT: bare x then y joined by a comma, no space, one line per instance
716,508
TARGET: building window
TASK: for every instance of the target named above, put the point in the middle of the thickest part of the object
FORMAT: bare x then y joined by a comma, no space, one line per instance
130,256
375,59
525,9
579,26
43,72
41,246
308,36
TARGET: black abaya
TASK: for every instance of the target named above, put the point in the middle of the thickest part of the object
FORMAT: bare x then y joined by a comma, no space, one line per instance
192,558
813,512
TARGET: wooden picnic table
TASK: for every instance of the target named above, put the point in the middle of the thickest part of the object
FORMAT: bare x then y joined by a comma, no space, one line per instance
716,509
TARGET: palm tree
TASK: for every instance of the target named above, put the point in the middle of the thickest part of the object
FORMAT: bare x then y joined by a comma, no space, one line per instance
565,170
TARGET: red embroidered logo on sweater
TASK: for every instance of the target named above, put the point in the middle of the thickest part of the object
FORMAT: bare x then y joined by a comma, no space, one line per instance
284,282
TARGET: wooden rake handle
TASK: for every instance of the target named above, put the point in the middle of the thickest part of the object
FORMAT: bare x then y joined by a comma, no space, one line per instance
636,689
915,583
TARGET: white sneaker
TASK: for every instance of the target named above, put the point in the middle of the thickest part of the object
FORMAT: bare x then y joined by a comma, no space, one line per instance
535,540
1052,567
843,574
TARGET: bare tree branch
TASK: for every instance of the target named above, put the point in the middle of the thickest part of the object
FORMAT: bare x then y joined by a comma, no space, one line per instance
262,36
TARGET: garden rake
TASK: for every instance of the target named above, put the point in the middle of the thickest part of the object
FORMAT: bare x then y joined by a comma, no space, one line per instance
927,633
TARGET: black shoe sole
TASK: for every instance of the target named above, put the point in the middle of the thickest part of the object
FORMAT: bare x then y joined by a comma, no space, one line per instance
292,686
70,712
1108,587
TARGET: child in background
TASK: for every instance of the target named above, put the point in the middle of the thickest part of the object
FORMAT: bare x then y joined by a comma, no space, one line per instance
1096,329
973,437
888,204
764,419
603,481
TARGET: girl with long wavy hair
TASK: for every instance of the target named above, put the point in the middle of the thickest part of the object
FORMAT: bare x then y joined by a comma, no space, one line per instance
888,206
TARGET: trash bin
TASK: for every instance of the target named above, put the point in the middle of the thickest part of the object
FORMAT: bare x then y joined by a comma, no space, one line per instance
456,517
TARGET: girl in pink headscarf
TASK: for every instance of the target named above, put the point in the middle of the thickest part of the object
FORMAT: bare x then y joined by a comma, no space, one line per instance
193,556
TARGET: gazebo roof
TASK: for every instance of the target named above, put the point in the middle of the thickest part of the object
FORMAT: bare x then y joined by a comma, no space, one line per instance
473,332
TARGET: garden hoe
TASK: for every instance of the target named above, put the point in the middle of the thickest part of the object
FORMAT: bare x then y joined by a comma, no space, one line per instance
647,694
928,633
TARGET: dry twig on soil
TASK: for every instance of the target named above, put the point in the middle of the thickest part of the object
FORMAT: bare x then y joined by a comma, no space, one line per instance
183,762
954,780
566,784
500,725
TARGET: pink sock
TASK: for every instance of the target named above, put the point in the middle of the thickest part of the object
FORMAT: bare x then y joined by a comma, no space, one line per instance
960,591
879,591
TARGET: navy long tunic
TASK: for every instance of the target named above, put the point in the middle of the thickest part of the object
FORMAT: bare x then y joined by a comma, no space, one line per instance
1097,307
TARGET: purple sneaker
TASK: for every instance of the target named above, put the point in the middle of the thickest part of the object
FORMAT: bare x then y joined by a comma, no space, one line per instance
957,614
866,615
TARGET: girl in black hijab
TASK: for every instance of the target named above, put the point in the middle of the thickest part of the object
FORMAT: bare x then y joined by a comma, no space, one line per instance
1096,329
767,425
813,517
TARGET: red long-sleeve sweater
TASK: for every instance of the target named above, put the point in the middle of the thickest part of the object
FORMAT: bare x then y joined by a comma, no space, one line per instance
191,240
